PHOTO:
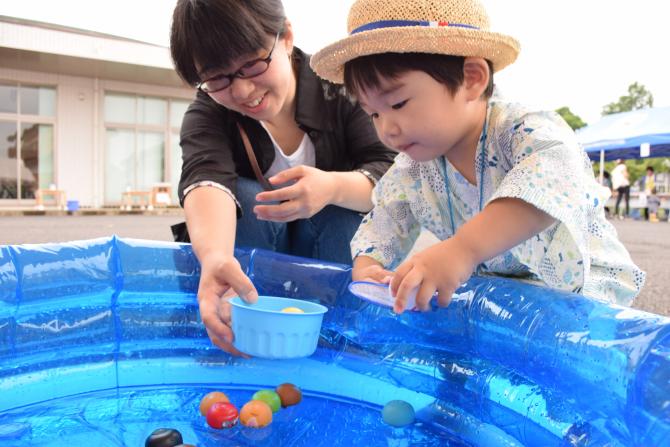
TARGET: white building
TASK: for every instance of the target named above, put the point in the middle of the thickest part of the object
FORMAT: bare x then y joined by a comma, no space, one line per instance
91,114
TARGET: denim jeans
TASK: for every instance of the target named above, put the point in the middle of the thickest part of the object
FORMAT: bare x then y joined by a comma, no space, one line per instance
325,236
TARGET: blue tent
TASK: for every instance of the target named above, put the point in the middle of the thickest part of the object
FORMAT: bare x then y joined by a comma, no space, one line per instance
637,134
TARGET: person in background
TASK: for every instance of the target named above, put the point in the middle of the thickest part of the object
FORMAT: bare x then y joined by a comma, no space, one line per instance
607,183
507,189
653,204
648,184
621,184
259,107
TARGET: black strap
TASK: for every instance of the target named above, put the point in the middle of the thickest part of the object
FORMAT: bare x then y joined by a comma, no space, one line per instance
252,159
180,232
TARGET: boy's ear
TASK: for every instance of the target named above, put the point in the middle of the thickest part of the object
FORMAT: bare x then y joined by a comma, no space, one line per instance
475,77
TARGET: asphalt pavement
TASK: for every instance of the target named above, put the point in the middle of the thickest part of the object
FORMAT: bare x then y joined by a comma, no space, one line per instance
648,243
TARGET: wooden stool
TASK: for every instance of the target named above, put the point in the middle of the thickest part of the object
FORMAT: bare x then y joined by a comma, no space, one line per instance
56,195
139,198
161,194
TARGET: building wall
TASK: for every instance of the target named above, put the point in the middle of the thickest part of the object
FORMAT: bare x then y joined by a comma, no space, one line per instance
79,129
76,149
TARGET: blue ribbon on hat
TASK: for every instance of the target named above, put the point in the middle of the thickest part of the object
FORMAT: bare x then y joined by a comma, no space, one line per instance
398,23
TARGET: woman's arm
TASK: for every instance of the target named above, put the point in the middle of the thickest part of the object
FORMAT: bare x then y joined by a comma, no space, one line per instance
211,221
352,190
312,189
207,146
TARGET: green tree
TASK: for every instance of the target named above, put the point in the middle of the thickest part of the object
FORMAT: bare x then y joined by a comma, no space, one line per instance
638,98
573,120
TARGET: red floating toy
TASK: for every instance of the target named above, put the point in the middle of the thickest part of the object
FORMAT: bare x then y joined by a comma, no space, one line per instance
222,415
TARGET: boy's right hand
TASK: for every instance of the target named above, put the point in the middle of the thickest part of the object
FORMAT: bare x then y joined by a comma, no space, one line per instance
222,278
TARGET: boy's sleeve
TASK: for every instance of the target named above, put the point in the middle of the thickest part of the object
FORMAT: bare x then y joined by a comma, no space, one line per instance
549,170
389,231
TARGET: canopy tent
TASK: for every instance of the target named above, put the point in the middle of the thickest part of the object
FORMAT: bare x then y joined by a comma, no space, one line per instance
637,134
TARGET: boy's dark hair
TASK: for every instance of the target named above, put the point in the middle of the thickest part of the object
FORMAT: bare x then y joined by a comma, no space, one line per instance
367,72
650,168
214,33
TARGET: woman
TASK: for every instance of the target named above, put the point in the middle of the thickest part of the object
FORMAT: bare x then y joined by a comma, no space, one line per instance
317,150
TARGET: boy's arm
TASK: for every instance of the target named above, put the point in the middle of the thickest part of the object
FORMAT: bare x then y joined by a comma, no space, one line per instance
389,231
502,224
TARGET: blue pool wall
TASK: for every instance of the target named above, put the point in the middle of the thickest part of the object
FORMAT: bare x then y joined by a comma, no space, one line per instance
525,365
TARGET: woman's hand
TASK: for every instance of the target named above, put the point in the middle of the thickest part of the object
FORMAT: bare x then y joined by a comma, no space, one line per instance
442,267
308,191
222,278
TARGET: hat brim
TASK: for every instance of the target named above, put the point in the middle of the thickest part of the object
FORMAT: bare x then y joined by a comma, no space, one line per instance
498,48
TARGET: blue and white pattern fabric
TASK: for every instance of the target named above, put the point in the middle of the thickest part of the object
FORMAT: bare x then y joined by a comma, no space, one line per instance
529,155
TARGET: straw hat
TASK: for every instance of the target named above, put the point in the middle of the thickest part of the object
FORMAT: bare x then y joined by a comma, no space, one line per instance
452,27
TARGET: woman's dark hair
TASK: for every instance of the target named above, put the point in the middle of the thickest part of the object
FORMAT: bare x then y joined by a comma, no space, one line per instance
214,33
367,72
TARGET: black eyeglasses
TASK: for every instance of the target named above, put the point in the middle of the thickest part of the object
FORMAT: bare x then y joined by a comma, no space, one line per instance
251,69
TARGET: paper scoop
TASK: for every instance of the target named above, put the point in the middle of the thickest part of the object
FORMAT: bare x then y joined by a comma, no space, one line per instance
379,294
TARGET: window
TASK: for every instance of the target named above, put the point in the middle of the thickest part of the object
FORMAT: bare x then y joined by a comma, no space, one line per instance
26,139
177,111
140,143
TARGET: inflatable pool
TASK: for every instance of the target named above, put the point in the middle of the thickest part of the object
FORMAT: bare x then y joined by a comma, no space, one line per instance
101,343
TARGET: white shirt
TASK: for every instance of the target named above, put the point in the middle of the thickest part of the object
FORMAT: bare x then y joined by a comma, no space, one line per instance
304,155
619,177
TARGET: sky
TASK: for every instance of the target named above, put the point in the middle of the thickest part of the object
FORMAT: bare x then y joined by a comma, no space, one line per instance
582,54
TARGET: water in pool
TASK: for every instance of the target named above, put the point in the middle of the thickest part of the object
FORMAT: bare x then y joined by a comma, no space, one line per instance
101,344
125,417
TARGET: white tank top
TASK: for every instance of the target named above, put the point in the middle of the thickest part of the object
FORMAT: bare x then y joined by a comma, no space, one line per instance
304,155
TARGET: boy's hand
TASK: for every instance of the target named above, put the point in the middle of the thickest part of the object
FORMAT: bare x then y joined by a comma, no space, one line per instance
442,267
372,273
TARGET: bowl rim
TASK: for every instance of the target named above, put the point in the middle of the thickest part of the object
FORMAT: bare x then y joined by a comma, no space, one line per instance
236,301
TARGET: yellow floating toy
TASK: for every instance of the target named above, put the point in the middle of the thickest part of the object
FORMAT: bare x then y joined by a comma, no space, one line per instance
293,310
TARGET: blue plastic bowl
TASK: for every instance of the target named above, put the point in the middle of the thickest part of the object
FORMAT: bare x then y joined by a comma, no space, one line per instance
72,205
263,330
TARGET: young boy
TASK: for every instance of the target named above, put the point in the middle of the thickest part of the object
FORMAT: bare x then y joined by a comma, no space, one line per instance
653,204
507,189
